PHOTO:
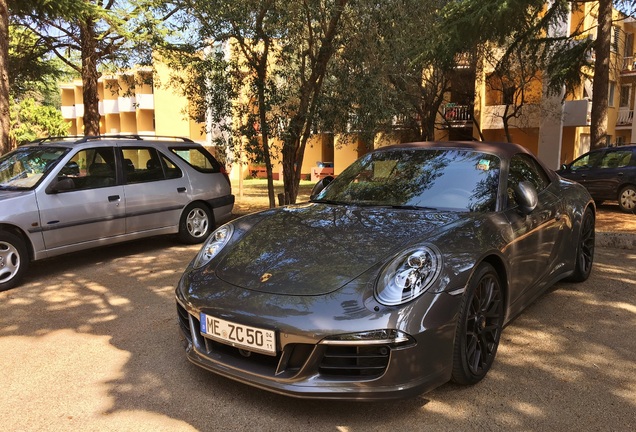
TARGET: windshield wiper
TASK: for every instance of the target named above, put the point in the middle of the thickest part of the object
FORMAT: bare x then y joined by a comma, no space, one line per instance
326,201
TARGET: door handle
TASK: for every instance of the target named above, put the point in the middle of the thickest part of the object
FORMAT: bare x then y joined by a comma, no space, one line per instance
113,198
181,189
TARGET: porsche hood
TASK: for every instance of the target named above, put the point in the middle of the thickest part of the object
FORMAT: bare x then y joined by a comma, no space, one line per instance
315,249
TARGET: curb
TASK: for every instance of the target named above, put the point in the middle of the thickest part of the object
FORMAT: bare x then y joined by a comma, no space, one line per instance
616,240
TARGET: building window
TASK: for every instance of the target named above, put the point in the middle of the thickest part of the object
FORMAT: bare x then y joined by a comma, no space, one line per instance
616,33
624,97
508,95
629,51
612,90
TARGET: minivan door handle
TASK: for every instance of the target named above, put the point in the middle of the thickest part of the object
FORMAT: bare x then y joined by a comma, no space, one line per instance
113,198
181,189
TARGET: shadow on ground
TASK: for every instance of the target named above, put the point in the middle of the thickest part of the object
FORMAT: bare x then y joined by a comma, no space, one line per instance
90,342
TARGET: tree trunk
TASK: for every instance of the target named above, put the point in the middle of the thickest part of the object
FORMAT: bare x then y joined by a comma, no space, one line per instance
90,75
262,115
5,120
600,89
300,124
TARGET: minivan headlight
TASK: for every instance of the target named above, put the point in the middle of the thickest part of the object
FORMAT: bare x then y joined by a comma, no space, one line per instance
213,245
408,275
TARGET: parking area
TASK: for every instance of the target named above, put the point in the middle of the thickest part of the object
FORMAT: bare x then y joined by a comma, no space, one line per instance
90,342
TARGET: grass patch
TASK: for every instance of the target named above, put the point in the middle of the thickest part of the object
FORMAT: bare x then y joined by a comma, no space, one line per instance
254,195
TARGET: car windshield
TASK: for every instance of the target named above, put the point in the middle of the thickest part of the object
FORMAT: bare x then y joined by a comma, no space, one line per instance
24,167
418,178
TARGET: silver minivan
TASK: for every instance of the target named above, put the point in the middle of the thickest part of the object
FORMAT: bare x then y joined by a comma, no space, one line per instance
59,196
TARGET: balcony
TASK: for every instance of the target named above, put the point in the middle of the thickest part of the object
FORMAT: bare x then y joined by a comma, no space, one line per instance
629,66
625,118
145,101
109,106
577,112
458,116
528,117
126,104
68,112
574,113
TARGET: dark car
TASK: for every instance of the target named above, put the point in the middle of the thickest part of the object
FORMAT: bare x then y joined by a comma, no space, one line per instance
608,174
395,278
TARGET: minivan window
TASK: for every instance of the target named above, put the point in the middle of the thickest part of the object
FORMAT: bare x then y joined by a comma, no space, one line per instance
616,159
144,164
198,158
26,166
586,161
90,168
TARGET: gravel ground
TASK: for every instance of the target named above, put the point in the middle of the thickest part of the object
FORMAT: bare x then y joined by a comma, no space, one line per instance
90,342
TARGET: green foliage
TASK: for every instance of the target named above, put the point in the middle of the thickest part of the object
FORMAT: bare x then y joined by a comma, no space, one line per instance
391,66
31,120
31,70
92,36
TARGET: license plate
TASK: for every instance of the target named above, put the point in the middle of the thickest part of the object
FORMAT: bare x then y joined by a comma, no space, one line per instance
239,335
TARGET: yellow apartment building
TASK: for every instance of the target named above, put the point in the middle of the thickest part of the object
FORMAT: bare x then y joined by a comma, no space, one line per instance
556,132
131,103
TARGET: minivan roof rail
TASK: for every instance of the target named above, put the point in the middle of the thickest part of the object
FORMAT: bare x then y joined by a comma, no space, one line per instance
84,138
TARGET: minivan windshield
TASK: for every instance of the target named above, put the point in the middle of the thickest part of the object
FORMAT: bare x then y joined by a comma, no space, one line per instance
24,167
457,180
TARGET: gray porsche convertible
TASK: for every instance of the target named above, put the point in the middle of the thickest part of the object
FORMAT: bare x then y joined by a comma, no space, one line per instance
396,277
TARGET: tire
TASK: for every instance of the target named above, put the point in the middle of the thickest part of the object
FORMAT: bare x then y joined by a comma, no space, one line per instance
478,327
14,260
585,249
627,199
196,223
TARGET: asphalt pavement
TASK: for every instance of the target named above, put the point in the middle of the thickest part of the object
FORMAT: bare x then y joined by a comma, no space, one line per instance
90,342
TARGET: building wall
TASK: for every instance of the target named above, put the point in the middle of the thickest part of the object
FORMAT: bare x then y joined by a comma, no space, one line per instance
145,108
348,148
166,115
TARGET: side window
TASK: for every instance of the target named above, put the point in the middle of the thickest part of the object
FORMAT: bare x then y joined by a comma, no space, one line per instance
525,168
172,171
144,164
616,159
90,168
199,158
586,161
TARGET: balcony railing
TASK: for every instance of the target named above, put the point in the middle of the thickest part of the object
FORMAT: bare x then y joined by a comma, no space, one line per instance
458,115
629,64
625,117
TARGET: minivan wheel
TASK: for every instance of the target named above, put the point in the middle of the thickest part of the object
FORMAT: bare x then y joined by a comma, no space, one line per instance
627,199
196,223
14,260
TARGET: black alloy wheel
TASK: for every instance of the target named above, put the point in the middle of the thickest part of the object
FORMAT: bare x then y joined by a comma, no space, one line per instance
479,326
585,250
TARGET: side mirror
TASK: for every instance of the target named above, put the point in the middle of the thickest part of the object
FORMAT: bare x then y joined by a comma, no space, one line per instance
526,197
564,167
322,183
60,185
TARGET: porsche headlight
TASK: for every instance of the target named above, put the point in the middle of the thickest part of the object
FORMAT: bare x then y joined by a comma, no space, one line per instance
213,245
409,275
